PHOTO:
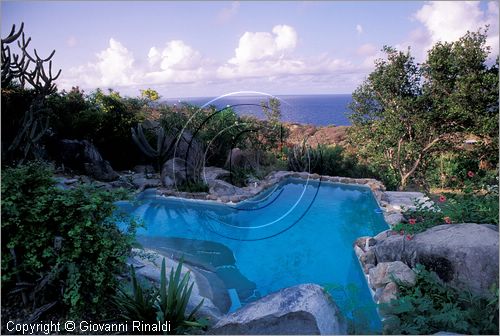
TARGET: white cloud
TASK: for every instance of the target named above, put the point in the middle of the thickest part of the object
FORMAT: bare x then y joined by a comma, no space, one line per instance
177,62
113,67
115,64
359,29
264,45
269,55
449,20
227,13
176,55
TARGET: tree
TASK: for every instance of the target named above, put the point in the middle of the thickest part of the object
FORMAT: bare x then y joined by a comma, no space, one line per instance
404,112
150,94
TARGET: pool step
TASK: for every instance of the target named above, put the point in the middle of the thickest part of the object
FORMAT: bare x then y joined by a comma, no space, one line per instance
235,299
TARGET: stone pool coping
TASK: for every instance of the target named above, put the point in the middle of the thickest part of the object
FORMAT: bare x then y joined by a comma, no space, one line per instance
391,203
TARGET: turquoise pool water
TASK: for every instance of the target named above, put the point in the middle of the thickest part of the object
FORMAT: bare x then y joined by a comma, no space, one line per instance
296,232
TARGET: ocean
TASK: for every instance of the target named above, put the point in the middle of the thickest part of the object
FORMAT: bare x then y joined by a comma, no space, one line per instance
320,110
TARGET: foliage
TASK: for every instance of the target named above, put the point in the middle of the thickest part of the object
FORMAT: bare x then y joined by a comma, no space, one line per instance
168,303
173,299
74,117
103,119
150,94
405,113
193,186
335,161
60,245
469,206
431,306
221,130
138,305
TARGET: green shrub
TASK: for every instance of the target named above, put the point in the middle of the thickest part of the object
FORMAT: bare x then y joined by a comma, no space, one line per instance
64,245
168,303
104,119
336,161
431,306
468,206
193,186
449,170
139,305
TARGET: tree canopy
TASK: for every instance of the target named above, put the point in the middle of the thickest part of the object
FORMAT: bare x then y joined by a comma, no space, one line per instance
405,112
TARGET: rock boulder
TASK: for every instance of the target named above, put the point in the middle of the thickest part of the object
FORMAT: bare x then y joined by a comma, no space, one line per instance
303,309
83,156
176,171
463,255
385,272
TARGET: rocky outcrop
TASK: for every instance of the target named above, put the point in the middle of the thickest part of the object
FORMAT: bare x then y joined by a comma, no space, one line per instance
223,188
326,135
303,309
148,265
463,255
140,182
176,172
84,157
242,159
386,272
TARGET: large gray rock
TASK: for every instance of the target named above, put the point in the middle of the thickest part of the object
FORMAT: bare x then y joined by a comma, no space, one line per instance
390,292
175,170
303,309
238,158
222,188
386,272
83,156
140,182
463,255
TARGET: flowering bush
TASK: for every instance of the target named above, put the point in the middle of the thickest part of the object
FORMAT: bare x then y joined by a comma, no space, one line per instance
476,203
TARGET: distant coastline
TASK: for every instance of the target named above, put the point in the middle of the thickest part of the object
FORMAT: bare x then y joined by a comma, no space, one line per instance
317,109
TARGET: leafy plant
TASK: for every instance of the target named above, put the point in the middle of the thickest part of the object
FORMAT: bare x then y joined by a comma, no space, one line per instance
468,206
138,305
173,300
59,245
193,186
431,306
405,113
168,303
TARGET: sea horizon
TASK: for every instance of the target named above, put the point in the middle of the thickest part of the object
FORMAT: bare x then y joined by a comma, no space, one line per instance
314,109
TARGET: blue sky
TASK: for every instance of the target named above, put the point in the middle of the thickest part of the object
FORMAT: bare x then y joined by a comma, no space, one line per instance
186,49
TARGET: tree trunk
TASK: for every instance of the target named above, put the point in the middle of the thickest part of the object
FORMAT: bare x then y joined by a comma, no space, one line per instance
404,182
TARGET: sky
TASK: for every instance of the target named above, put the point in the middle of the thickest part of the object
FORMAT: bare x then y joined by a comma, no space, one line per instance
211,48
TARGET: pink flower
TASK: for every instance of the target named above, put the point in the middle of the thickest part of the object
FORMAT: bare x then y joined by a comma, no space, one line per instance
412,221
409,237
442,198
470,173
447,220
401,232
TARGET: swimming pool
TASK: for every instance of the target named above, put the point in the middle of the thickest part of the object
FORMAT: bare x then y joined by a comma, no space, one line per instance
295,232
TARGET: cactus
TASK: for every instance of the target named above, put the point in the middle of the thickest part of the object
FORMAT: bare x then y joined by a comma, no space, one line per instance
302,158
28,69
164,144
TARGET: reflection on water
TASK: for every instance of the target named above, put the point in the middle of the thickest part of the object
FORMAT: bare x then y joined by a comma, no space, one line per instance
297,233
